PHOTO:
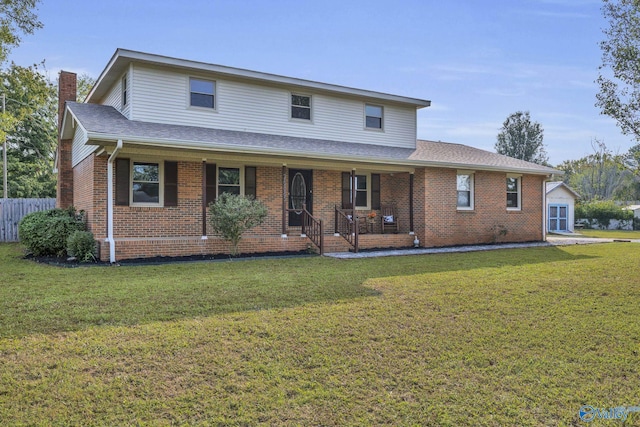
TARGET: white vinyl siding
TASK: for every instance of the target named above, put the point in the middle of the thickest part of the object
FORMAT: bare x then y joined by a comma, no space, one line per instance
560,196
162,96
79,151
114,96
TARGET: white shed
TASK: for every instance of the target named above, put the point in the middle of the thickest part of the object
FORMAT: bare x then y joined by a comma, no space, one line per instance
561,200
635,209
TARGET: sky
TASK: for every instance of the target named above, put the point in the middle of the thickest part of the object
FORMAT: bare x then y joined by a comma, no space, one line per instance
476,61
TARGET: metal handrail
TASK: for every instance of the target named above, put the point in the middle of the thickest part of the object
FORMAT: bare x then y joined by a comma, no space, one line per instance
347,227
311,227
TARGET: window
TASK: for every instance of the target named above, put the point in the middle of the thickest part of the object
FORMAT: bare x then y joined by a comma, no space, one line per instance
124,91
300,107
202,93
367,191
513,193
145,183
229,180
361,191
465,190
373,116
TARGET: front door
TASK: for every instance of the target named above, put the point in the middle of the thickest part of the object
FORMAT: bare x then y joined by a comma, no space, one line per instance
558,217
300,192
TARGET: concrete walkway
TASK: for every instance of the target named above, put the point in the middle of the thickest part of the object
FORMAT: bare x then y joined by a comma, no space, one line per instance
551,241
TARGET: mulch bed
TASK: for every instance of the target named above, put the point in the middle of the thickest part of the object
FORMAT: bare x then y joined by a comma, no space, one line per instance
70,262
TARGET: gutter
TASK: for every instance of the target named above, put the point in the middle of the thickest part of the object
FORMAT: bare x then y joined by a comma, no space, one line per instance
112,243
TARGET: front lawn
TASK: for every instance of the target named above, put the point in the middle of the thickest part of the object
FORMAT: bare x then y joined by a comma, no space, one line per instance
611,234
508,337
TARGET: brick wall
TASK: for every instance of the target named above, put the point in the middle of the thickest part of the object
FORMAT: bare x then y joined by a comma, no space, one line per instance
64,189
176,231
442,224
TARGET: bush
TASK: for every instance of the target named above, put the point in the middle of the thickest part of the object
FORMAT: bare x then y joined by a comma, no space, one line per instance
46,232
231,215
601,212
82,246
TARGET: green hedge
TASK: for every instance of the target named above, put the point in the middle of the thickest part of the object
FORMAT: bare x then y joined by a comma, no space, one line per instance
46,232
82,245
601,212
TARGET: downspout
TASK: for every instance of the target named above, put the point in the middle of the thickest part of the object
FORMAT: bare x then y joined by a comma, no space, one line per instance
544,208
112,243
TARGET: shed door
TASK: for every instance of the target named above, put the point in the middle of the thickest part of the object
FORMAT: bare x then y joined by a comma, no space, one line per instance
558,215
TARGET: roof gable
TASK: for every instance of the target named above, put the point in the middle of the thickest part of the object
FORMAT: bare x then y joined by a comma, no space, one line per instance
552,186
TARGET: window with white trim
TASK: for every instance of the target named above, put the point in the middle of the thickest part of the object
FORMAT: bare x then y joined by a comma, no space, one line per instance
465,190
202,93
514,192
146,183
362,191
124,91
230,180
373,116
300,107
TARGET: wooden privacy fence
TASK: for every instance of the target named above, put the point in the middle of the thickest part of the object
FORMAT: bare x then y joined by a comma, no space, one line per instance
13,210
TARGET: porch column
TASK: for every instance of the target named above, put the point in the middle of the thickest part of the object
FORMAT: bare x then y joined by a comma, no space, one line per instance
411,202
353,193
204,197
284,200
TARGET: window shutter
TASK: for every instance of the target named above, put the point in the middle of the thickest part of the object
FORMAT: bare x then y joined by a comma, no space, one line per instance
210,178
171,184
250,186
375,191
346,190
122,182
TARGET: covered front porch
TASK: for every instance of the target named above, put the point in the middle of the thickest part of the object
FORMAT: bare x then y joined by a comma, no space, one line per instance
383,214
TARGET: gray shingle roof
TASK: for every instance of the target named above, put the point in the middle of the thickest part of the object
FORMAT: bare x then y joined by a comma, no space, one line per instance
101,121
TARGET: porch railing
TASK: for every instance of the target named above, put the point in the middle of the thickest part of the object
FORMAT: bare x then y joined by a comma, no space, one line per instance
311,227
346,225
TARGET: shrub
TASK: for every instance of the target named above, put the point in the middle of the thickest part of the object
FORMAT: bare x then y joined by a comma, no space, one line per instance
231,215
46,232
82,245
601,212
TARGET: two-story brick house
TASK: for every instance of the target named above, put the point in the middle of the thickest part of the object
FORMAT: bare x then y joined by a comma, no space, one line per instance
158,138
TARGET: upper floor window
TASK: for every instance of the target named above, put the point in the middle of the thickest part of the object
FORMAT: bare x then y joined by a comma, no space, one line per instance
202,93
300,107
465,190
514,197
373,116
145,186
124,91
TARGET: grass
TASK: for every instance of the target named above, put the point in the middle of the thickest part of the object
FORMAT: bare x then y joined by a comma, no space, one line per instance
611,234
509,337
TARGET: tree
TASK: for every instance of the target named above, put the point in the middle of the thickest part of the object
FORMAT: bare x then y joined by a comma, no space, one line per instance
231,215
598,176
84,85
17,17
619,95
29,125
522,139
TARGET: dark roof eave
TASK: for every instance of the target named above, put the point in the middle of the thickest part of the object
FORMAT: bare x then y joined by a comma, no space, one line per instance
197,145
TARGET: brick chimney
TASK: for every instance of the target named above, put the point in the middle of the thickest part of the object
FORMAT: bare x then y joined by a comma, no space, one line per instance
66,92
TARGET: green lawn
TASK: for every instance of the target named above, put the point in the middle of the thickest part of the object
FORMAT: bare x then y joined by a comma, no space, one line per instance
611,234
509,337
